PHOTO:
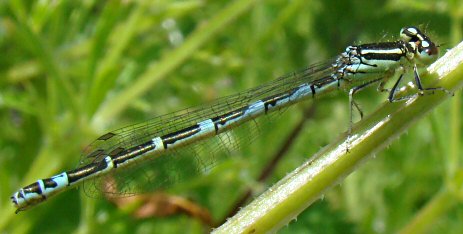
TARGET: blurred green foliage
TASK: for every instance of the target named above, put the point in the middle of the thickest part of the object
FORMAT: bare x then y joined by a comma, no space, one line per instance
71,70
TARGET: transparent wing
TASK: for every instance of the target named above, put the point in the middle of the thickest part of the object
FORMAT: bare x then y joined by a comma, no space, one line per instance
175,166
180,164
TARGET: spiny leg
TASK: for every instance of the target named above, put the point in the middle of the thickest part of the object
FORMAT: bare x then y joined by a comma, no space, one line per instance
392,92
419,85
353,103
423,90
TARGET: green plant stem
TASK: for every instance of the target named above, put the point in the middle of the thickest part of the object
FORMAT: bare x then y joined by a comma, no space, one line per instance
294,193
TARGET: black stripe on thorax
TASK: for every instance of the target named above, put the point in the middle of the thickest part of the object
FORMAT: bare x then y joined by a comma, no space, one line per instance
393,51
171,138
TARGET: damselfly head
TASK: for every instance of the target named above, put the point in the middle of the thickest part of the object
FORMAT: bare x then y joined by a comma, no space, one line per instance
426,51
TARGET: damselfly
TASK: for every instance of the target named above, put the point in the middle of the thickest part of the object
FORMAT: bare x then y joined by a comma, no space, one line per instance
122,154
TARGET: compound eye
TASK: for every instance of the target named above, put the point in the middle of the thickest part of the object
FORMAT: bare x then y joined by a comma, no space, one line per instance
428,48
427,52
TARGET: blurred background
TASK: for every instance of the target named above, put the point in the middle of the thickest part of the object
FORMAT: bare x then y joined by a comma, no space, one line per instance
73,70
